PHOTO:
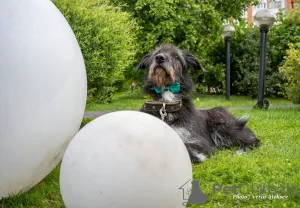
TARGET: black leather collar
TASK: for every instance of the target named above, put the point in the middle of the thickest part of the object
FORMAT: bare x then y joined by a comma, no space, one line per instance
158,105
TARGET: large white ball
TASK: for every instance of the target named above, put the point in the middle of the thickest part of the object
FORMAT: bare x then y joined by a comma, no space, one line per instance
125,159
42,91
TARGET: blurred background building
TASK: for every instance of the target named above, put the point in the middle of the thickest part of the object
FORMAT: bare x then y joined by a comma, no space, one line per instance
273,6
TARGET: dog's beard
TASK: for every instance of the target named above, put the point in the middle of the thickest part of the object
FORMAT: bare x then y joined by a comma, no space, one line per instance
160,77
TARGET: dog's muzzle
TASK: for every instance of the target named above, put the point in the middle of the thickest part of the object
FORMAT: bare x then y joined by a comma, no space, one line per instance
162,107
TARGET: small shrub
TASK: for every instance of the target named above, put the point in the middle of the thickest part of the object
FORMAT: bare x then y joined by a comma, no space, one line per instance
291,72
105,35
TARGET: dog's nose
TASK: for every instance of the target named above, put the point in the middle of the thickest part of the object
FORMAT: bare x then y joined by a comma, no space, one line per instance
160,58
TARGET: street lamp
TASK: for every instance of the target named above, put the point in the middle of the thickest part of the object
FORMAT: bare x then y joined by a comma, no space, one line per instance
264,19
227,33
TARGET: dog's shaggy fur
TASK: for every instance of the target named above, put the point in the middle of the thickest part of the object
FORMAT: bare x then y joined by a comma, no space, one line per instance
201,131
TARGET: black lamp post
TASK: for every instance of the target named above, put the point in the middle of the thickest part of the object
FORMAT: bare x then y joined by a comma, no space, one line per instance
264,19
227,33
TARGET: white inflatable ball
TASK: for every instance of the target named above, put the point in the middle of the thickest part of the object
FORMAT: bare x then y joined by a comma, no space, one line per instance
125,159
42,91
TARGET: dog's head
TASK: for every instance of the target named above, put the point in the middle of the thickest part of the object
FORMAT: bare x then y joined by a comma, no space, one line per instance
168,64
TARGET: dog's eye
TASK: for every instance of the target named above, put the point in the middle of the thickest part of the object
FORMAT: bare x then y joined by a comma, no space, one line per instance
174,55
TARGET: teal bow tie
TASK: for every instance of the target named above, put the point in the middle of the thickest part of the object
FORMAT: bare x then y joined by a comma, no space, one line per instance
175,87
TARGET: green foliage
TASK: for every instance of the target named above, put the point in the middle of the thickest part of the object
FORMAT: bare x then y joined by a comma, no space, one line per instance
185,23
244,52
194,25
105,35
245,61
291,71
294,15
281,34
245,64
230,8
133,75
214,78
191,24
245,57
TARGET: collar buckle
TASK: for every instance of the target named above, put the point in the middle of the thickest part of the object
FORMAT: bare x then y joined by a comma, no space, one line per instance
163,113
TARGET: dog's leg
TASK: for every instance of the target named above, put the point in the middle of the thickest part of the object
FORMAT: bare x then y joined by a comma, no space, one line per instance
198,149
198,153
247,139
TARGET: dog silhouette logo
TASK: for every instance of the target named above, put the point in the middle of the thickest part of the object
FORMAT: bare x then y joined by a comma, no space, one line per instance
196,196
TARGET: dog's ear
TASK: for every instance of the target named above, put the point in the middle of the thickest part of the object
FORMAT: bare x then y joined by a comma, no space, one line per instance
193,62
145,62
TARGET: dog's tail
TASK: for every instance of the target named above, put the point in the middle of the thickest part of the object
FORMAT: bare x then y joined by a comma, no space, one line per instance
242,121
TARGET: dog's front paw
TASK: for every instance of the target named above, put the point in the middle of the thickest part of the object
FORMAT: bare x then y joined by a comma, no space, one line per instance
243,150
240,151
199,158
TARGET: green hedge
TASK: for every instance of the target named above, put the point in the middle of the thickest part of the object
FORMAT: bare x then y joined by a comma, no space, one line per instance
245,57
291,71
106,36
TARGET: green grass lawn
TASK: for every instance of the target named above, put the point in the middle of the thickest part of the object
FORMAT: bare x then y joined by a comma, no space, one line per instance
133,101
276,162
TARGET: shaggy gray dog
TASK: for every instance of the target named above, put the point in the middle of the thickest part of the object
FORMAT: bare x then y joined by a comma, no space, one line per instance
170,86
